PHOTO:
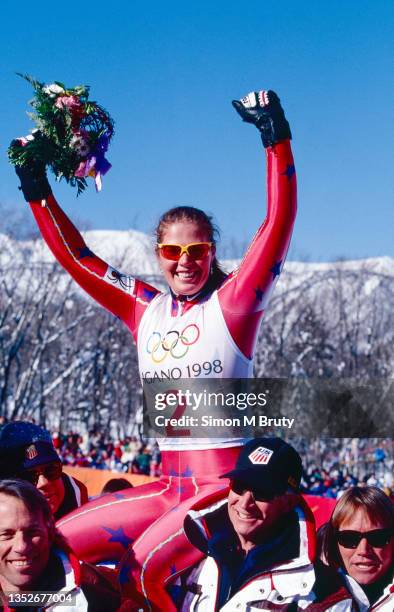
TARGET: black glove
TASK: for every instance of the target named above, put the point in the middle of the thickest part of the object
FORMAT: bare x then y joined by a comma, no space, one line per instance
33,178
263,109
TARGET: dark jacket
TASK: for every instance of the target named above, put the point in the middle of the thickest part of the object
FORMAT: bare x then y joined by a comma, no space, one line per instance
75,495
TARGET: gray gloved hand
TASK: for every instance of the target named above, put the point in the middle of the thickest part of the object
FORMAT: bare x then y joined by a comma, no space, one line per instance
263,109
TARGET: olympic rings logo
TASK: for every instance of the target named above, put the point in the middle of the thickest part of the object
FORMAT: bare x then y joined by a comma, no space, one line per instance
173,343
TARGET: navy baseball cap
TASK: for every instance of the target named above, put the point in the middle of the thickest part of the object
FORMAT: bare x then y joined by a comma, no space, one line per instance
268,465
24,445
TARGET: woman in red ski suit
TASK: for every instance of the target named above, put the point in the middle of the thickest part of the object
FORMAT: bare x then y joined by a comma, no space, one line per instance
206,321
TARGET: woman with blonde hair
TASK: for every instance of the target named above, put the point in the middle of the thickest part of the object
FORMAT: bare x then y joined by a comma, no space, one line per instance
359,543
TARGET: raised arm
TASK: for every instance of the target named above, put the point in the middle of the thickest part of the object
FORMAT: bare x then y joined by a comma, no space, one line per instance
244,295
124,296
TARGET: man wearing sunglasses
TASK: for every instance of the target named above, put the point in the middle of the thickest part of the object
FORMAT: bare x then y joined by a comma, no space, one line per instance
27,452
259,543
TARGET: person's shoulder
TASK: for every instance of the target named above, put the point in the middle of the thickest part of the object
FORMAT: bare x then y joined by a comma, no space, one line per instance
100,587
329,588
77,486
83,490
191,583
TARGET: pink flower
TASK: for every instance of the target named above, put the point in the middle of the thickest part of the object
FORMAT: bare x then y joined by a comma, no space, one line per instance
71,102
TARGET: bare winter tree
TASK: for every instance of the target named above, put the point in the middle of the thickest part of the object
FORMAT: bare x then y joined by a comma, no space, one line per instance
63,360
333,322
69,364
332,329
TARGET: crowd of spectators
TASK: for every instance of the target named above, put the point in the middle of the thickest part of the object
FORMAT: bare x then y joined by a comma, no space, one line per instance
98,451
328,475
341,464
333,483
330,478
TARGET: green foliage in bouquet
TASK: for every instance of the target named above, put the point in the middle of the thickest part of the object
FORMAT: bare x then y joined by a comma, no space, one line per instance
71,137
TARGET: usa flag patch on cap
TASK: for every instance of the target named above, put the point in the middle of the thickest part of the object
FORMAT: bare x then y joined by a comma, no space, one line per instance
261,455
31,452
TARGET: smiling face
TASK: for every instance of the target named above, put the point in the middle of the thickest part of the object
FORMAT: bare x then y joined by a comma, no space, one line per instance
52,490
24,545
366,564
252,519
185,276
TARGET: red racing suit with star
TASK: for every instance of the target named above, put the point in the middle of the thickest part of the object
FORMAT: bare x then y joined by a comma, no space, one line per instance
219,330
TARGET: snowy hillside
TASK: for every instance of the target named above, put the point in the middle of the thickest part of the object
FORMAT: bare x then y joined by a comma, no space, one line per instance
132,252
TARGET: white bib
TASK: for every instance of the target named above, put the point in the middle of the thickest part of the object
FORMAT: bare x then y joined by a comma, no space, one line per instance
195,344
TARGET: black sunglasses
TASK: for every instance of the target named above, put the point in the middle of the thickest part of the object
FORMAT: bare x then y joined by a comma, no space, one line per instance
377,538
51,472
240,488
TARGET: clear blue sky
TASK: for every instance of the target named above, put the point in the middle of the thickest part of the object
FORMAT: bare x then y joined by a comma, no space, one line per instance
167,72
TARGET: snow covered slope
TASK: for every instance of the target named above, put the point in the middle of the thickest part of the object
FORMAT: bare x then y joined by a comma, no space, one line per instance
132,252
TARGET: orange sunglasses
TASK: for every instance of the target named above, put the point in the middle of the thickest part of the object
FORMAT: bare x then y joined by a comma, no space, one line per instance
195,250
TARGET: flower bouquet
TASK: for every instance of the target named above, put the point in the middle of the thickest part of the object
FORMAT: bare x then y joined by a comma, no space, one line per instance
72,134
